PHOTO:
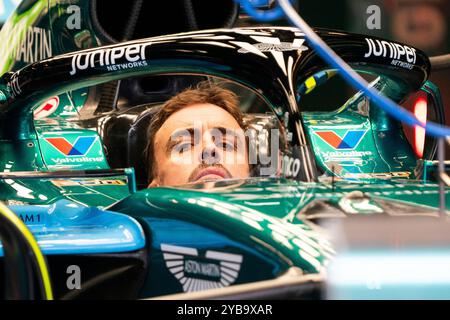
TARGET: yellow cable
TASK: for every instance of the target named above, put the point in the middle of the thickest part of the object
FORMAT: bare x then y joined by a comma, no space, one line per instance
14,219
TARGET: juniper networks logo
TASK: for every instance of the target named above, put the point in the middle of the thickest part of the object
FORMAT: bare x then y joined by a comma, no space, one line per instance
117,58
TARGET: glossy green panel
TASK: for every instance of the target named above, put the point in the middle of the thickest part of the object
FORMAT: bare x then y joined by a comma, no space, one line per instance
22,155
98,192
25,37
360,142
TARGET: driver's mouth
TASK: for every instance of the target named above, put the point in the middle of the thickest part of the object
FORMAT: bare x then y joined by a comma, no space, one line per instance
211,173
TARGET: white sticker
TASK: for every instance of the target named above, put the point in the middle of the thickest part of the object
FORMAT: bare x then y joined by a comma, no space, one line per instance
47,108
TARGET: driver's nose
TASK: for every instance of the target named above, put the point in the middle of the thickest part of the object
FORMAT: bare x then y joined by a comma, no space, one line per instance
210,155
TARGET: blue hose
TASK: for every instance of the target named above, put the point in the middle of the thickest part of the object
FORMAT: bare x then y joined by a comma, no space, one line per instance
265,16
353,78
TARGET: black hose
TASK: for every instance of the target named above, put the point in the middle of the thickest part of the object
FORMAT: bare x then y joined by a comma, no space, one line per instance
190,15
132,20
232,16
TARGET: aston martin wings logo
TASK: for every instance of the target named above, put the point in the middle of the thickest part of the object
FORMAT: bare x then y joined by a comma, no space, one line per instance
195,272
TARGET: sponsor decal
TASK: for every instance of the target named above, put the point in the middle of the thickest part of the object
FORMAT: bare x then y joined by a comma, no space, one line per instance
290,166
350,140
76,160
401,55
272,44
30,218
73,152
340,156
14,86
16,203
117,58
80,147
378,175
35,45
196,272
47,108
90,183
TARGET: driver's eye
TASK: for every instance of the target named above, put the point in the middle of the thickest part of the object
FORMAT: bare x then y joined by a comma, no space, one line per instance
183,146
227,145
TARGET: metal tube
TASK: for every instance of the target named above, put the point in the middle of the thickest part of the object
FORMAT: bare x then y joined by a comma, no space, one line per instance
440,62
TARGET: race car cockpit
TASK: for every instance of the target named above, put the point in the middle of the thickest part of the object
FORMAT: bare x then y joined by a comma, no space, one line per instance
103,110
122,121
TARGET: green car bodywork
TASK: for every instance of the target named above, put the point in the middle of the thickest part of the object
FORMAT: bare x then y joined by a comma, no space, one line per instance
270,223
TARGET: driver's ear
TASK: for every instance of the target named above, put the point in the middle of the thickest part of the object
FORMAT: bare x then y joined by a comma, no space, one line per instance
154,183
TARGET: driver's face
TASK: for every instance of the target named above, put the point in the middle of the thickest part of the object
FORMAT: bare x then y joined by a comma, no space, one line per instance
198,143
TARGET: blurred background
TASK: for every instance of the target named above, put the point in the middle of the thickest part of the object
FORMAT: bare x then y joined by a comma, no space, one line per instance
423,24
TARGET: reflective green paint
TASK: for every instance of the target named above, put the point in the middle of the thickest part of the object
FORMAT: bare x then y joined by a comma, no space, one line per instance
382,152
99,192
19,156
257,213
14,32
287,244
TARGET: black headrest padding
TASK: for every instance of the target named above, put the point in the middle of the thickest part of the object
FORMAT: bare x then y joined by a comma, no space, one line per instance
114,129
136,143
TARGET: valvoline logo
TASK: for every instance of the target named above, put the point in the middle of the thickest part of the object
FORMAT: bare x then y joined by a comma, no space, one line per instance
80,147
350,140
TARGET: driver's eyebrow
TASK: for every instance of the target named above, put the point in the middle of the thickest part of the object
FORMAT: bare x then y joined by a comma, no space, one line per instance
230,132
224,131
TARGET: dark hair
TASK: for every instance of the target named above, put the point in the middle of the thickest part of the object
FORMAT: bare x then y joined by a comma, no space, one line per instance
203,93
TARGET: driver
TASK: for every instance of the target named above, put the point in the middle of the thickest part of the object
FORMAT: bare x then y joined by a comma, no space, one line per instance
197,135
